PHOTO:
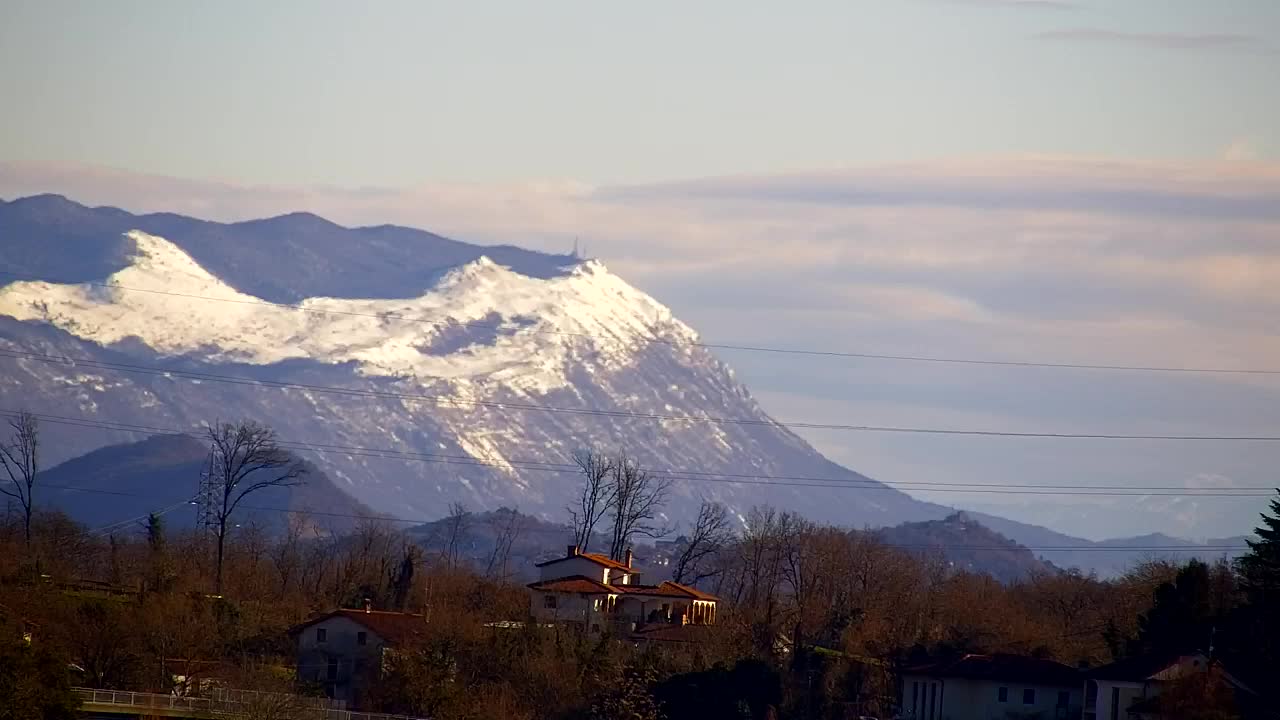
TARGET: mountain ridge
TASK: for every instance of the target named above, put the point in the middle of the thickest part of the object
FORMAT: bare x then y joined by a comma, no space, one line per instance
550,316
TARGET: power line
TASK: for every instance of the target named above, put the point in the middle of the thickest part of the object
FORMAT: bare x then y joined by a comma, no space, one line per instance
592,412
687,343
904,546
106,529
697,476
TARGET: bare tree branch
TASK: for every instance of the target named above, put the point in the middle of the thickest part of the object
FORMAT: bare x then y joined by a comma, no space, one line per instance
596,497
457,525
21,461
711,532
242,451
637,498
506,526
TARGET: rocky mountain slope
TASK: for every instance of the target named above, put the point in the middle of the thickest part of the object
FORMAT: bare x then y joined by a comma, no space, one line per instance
414,370
419,370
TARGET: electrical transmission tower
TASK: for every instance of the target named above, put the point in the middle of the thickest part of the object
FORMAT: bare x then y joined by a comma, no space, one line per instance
208,497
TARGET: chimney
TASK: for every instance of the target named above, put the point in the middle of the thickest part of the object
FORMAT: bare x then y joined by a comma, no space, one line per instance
572,551
368,605
626,559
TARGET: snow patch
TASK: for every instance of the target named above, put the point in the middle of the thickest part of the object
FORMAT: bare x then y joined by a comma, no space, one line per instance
543,326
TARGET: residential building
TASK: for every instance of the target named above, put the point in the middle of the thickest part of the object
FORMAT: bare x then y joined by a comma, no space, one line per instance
598,593
982,687
343,651
1130,688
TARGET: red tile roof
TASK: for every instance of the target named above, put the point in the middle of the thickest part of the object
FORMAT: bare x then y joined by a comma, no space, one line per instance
597,558
695,592
392,627
586,585
575,584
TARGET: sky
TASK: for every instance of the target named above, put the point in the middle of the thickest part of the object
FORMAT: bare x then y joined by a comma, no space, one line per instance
1092,181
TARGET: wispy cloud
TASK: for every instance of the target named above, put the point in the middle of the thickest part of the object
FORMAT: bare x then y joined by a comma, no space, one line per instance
1020,4
1068,260
1161,40
1032,185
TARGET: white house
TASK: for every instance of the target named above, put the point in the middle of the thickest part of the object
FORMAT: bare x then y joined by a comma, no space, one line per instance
982,687
595,593
342,651
1127,689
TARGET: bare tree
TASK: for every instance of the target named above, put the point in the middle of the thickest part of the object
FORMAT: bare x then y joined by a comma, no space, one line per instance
286,555
711,532
506,528
20,457
596,497
637,498
246,459
457,525
401,583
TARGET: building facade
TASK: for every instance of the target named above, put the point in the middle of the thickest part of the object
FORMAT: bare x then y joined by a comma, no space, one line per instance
343,651
987,687
598,594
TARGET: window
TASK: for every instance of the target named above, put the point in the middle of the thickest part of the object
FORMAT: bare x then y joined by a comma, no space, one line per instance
322,636
1029,696
596,604
933,699
332,669
1064,698
362,638
915,697
1002,695
1115,703
549,602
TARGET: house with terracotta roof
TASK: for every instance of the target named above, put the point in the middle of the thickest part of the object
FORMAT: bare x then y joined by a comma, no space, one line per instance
979,687
597,593
343,650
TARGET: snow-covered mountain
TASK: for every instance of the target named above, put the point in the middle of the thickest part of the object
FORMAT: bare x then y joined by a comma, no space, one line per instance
418,370
455,362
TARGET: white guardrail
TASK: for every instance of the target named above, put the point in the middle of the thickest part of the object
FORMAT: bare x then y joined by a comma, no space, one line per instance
158,701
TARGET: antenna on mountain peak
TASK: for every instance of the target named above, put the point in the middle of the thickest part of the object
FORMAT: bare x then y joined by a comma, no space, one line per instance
576,256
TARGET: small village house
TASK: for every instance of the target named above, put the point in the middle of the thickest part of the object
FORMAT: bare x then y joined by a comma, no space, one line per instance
598,593
1130,688
343,651
980,687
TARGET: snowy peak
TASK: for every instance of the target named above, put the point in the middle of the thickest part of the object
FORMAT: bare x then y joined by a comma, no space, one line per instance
480,322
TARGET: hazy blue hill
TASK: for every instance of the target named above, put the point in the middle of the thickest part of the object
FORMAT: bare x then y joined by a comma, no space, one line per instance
119,482
967,545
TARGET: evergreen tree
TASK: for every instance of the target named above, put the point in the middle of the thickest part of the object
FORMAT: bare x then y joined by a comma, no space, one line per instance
1182,619
1259,569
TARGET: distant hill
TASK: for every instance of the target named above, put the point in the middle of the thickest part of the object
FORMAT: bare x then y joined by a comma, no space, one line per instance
967,545
119,482
534,540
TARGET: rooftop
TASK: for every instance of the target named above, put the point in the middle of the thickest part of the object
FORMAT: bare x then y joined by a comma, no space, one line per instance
589,586
1002,667
390,626
597,558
